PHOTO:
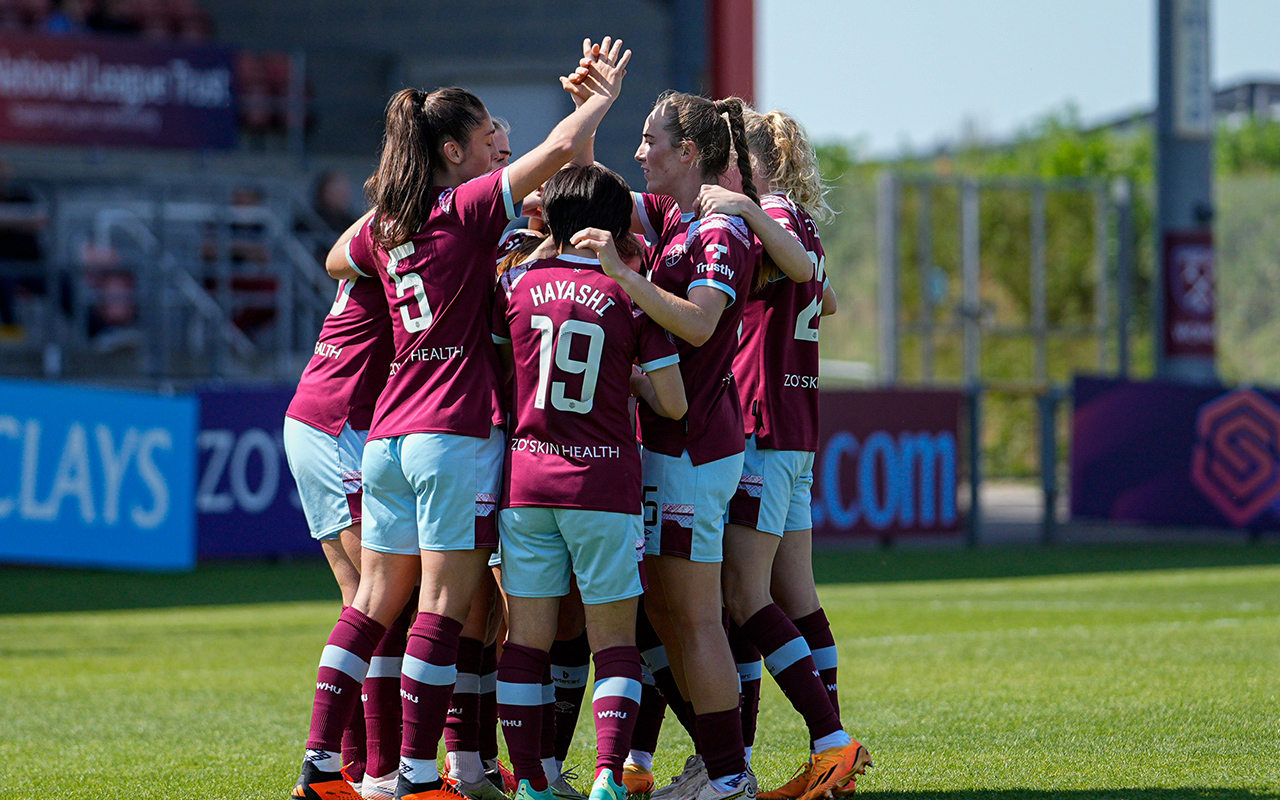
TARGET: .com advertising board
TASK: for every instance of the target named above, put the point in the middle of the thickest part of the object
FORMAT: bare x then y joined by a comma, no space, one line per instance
1175,454
887,463
96,478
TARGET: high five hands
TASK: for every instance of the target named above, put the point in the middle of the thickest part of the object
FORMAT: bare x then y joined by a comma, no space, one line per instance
599,72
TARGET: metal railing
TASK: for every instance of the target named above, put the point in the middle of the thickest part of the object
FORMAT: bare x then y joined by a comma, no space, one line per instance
211,278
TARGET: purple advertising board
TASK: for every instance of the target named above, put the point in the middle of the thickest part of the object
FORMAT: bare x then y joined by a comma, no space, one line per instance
246,501
1175,454
118,93
886,463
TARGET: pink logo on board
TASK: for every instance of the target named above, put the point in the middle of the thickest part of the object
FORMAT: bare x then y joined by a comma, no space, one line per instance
1236,463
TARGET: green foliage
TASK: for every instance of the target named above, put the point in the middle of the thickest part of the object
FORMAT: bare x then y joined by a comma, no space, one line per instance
1250,147
1055,148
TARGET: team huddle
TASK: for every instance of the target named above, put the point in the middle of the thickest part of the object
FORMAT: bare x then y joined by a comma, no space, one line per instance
599,452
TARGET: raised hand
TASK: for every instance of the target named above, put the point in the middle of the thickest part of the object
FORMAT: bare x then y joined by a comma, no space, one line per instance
600,71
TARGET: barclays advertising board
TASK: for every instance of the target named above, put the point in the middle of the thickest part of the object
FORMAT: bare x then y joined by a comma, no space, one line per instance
96,477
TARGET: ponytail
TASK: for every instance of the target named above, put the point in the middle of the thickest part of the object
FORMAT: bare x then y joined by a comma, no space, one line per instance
731,109
417,126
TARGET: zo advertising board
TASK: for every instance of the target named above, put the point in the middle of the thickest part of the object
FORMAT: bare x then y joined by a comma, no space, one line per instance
887,463
96,478
247,501
118,93
1168,453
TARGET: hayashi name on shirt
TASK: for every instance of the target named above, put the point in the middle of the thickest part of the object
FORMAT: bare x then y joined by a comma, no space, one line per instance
428,354
593,299
532,445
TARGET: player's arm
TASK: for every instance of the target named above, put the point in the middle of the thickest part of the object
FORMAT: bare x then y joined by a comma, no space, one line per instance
693,320
597,85
336,263
828,301
662,389
781,245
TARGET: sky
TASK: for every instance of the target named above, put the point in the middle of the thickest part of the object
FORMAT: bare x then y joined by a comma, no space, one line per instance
896,76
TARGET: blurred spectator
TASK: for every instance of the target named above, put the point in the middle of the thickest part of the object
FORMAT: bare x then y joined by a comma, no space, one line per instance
252,283
112,291
332,199
21,259
68,16
111,16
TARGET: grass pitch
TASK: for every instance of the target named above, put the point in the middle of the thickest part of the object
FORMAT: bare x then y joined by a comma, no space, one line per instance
1137,673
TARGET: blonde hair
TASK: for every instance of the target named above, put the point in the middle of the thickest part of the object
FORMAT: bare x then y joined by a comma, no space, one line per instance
780,144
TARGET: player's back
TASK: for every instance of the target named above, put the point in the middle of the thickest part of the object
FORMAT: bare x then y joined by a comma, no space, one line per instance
574,337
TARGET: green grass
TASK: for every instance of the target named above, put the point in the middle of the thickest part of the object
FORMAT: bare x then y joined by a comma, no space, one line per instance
1143,673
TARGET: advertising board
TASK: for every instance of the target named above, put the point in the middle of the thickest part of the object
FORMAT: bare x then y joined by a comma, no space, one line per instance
96,478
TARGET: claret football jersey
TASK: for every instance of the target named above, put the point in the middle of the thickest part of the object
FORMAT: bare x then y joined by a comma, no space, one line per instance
777,362
574,335
346,373
443,377
717,251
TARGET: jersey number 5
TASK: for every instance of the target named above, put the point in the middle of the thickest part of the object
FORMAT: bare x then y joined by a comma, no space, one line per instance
560,346
340,301
410,281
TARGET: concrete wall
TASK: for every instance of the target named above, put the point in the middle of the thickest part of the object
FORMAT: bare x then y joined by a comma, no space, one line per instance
509,51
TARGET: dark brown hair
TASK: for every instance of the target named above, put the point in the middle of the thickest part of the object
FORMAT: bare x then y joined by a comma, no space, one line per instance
589,196
701,121
417,126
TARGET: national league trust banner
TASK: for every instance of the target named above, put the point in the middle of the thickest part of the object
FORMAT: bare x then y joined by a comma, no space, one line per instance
1176,454
119,93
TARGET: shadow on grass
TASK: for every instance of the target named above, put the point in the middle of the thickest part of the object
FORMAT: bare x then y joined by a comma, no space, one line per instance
1182,793
28,589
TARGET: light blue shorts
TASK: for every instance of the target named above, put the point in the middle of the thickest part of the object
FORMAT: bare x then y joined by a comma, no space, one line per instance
685,506
432,491
541,545
774,491
327,471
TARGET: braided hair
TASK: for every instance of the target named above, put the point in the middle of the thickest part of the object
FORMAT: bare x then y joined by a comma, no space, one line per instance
703,122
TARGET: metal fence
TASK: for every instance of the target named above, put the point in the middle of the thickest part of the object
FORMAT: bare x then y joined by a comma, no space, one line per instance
162,281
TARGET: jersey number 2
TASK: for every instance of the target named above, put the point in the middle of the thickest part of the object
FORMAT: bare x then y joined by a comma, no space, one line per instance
549,345
805,318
